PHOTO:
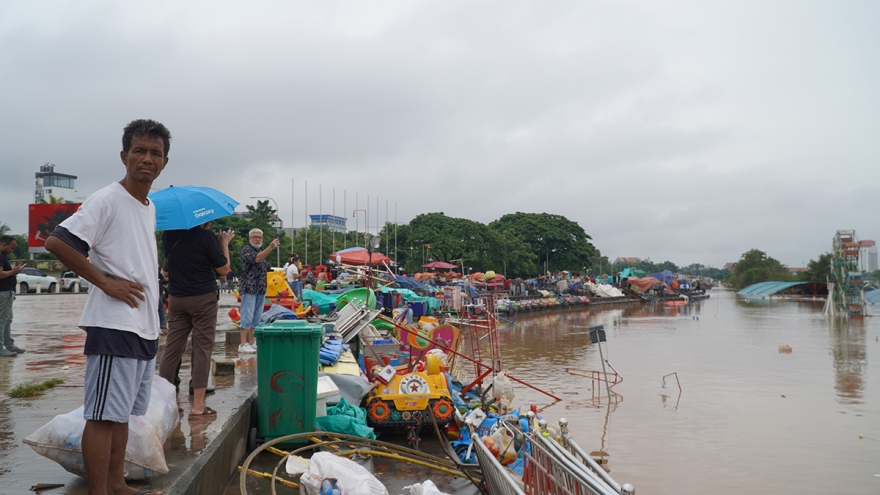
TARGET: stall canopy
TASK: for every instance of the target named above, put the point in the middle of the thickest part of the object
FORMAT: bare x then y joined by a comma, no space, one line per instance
359,256
440,265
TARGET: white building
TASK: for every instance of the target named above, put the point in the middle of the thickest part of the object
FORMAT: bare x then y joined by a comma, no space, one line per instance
336,224
48,182
867,256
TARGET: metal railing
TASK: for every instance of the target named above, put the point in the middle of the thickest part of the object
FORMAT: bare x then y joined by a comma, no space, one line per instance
549,468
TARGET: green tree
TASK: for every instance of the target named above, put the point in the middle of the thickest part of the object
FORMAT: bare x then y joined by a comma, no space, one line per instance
554,239
512,254
817,270
435,236
4,229
755,266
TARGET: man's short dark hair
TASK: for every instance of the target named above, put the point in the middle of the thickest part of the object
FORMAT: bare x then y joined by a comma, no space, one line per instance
145,127
6,239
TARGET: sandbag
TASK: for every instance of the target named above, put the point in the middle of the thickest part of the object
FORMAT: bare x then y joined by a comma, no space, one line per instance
351,478
61,438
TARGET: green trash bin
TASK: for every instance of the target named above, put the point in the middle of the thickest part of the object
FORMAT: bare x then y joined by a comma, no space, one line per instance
287,377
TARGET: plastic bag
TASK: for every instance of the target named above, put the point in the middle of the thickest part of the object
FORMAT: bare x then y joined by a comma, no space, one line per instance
351,478
426,488
506,451
61,438
502,388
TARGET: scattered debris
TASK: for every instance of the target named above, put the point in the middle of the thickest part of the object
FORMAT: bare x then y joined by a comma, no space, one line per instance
45,486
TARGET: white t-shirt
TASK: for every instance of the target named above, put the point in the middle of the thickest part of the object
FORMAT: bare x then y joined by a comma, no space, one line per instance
120,232
292,273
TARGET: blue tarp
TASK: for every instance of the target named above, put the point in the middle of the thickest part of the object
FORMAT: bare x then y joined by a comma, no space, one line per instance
276,312
665,276
414,285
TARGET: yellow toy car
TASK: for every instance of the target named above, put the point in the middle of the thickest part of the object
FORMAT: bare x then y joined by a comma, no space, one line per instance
406,399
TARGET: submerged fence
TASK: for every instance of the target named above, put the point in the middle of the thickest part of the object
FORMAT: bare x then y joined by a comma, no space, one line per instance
549,468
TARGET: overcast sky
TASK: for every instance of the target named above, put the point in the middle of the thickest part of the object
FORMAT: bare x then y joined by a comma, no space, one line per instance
681,131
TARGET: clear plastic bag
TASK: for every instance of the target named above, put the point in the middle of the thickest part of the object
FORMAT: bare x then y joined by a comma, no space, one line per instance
61,438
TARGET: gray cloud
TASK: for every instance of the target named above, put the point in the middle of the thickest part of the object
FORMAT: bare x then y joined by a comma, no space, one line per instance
686,131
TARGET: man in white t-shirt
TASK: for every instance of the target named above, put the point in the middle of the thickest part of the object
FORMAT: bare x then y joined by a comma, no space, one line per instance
115,228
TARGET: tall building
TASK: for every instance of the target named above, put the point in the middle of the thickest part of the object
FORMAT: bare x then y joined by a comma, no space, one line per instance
51,183
867,256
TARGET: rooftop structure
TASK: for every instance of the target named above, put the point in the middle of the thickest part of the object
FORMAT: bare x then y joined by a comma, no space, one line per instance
48,183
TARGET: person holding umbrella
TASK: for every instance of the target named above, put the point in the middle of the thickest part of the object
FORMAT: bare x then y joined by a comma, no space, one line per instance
195,258
252,286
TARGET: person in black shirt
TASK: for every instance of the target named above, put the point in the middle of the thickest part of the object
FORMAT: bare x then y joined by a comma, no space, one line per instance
194,260
7,295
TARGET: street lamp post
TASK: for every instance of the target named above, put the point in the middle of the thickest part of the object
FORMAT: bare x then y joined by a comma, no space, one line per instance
277,230
356,225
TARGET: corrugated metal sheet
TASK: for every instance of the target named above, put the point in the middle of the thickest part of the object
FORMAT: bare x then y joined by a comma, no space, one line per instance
767,288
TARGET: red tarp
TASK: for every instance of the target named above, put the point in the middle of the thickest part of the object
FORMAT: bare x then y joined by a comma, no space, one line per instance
647,283
361,257
440,265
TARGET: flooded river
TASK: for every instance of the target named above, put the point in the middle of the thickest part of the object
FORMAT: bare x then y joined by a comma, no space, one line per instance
750,417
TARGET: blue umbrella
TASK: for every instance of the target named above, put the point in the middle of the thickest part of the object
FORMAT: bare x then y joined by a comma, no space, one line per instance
185,207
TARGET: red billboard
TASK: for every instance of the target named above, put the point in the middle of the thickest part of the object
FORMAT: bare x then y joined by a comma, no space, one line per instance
42,220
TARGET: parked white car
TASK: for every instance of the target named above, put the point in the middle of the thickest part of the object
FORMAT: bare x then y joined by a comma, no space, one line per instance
68,279
29,277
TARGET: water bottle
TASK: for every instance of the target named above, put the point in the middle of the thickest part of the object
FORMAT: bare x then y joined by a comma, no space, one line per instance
328,487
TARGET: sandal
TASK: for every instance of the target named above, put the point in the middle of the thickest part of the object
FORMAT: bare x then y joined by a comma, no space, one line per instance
207,413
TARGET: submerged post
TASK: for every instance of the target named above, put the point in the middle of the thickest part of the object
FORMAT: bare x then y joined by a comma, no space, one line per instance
597,336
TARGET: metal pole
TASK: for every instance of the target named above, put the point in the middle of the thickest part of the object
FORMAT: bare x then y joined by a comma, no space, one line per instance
345,212
604,372
292,217
306,218
320,226
334,219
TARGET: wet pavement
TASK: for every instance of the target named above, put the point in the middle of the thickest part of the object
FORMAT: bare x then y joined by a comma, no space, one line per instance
46,325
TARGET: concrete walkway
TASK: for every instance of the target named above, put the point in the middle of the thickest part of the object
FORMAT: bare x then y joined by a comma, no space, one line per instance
202,456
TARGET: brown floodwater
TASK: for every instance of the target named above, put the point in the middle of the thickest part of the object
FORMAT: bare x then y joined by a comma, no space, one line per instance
751,417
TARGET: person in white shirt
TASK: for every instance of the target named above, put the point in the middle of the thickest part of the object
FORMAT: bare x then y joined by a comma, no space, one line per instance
293,278
115,228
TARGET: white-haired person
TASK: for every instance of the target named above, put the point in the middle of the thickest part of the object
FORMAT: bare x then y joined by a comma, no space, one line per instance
252,286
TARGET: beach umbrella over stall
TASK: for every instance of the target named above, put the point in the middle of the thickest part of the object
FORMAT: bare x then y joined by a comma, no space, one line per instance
440,265
359,256
184,207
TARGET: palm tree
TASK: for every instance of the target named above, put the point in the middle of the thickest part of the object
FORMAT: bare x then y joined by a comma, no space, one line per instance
4,229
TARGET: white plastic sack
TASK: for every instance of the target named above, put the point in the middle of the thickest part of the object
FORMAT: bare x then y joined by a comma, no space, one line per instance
502,388
351,478
61,438
426,488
